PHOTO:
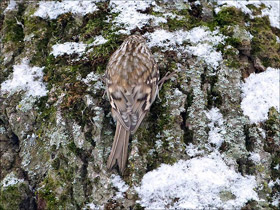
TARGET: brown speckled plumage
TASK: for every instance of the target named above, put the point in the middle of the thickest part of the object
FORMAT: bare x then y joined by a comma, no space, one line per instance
132,80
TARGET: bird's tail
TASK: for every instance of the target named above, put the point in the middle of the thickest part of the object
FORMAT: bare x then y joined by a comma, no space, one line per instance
119,149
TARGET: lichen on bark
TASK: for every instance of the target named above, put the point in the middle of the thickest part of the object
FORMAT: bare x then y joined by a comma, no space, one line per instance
58,144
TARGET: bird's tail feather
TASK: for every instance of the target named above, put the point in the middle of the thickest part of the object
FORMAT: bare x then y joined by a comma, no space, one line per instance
119,149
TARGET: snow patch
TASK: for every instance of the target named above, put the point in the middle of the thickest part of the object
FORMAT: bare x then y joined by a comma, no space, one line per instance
26,78
196,183
129,17
166,39
120,185
260,92
202,41
255,157
12,5
68,48
202,34
52,9
99,40
275,200
192,150
10,180
216,126
207,53
94,82
79,48
272,9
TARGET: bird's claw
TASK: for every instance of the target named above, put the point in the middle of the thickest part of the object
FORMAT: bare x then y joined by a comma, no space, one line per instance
166,77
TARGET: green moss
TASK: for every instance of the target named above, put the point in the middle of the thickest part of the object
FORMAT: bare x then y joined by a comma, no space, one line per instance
233,63
230,19
265,47
230,54
256,10
264,44
56,163
53,191
272,131
259,23
72,147
47,113
12,196
273,122
230,16
96,24
147,135
176,24
105,50
13,31
276,162
233,41
40,33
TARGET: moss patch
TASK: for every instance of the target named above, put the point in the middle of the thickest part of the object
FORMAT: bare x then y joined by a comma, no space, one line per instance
13,29
13,196
272,131
53,192
264,44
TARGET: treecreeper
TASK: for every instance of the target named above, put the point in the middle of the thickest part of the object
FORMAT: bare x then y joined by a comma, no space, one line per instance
132,84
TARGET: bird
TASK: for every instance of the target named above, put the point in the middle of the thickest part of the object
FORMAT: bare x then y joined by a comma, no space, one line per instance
132,84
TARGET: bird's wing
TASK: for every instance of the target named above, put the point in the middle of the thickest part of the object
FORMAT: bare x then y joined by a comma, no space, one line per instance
130,107
132,86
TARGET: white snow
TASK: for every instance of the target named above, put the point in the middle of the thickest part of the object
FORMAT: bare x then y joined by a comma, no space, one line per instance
272,11
68,48
196,183
255,157
216,126
202,40
10,179
2,130
94,82
91,77
275,200
207,53
80,48
120,185
200,34
166,39
272,8
192,150
52,9
26,78
99,40
12,5
129,16
260,92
